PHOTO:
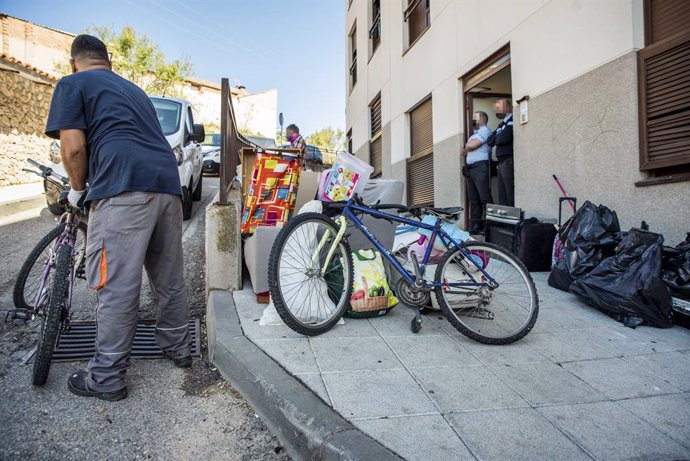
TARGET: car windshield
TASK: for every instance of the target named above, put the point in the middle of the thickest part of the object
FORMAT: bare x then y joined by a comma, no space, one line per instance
168,113
212,139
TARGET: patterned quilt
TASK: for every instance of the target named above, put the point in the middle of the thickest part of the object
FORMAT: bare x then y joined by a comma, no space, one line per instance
271,192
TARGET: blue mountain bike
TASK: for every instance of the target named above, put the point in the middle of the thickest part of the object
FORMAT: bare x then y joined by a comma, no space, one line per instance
483,290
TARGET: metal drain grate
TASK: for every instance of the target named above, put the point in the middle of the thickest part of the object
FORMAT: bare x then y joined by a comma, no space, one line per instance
78,343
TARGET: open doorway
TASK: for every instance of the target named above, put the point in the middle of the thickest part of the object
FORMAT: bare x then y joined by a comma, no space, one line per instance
482,87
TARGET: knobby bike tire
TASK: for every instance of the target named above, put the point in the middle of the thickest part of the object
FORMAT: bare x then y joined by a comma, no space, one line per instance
450,315
52,320
20,302
274,283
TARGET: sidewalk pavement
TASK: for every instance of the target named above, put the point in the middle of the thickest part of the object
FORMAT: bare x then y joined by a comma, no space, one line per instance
20,192
579,386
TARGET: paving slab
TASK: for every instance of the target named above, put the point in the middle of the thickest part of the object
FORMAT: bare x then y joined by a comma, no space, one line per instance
294,354
674,367
397,323
370,394
466,388
314,381
430,351
668,413
546,384
618,379
515,434
420,438
608,431
350,354
569,346
523,351
677,338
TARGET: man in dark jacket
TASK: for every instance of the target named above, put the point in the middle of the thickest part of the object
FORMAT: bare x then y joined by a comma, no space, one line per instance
502,139
110,137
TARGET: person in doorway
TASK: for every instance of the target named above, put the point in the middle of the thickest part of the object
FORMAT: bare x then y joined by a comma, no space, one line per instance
110,138
502,139
477,153
296,139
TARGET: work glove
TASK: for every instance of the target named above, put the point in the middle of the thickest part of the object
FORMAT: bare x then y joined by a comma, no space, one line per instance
76,198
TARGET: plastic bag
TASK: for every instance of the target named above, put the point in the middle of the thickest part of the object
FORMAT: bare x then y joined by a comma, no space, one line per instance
589,237
628,286
370,290
675,268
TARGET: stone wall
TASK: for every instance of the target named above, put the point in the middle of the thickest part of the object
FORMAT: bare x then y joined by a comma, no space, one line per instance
24,106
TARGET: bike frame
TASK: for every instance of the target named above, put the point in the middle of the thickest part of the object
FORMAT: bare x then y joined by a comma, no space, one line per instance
67,237
352,208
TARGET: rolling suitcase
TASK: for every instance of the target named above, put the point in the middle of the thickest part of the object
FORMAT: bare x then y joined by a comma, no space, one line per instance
534,244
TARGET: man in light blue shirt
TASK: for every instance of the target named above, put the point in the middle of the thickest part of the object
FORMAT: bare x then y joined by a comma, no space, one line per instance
477,154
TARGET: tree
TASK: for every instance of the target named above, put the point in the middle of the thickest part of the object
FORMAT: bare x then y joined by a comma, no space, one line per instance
138,59
328,138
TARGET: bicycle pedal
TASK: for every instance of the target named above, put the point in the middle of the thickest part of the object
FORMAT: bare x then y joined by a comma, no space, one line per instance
18,314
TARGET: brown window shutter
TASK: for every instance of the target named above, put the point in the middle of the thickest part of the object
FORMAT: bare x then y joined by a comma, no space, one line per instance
420,181
376,156
666,18
375,144
421,129
664,93
420,165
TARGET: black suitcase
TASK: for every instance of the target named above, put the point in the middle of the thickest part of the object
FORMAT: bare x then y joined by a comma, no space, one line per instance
534,244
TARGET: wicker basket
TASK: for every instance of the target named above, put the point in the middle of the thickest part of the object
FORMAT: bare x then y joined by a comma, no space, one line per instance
368,304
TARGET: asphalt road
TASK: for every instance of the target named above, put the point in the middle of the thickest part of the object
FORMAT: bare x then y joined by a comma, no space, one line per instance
170,413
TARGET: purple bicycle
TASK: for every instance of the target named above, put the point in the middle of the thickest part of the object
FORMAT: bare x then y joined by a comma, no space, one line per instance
45,283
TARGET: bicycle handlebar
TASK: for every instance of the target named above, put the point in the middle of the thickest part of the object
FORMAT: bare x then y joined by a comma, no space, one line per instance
46,172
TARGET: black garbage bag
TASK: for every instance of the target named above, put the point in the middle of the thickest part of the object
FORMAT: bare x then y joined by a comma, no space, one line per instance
628,286
588,237
675,268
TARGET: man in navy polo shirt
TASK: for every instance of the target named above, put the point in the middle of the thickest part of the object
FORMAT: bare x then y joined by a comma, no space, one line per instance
110,138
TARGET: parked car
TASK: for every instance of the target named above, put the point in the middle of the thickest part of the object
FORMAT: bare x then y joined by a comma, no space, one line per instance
313,154
183,135
211,149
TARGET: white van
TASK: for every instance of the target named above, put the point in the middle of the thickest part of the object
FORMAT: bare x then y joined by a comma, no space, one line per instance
183,135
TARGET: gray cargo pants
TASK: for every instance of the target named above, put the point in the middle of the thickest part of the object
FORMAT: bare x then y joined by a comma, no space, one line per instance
127,232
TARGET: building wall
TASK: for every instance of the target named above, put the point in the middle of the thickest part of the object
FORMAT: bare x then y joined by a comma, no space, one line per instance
576,61
39,46
585,132
24,105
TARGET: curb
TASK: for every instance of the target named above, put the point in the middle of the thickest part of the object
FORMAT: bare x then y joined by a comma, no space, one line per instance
307,427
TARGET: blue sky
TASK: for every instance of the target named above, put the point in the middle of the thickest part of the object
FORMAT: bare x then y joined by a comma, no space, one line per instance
296,46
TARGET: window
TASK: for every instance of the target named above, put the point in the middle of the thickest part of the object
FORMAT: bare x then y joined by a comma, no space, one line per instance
664,88
420,165
417,19
353,57
168,113
375,143
375,29
349,141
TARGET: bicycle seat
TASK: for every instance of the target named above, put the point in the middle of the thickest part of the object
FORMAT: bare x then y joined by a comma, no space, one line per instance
447,213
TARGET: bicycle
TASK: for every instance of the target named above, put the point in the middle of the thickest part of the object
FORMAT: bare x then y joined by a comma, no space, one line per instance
53,299
26,294
484,291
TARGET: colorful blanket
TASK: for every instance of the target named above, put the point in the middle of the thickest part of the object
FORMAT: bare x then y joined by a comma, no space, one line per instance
271,192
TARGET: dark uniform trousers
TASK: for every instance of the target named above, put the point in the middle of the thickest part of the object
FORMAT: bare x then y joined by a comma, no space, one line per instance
127,232
506,182
479,191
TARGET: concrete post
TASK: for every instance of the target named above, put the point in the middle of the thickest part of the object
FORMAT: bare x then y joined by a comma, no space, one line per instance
224,244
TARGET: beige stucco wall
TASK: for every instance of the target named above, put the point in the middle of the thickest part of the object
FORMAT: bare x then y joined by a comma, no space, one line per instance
585,132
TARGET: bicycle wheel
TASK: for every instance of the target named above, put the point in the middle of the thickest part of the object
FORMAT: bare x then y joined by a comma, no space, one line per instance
308,300
499,316
54,315
31,274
